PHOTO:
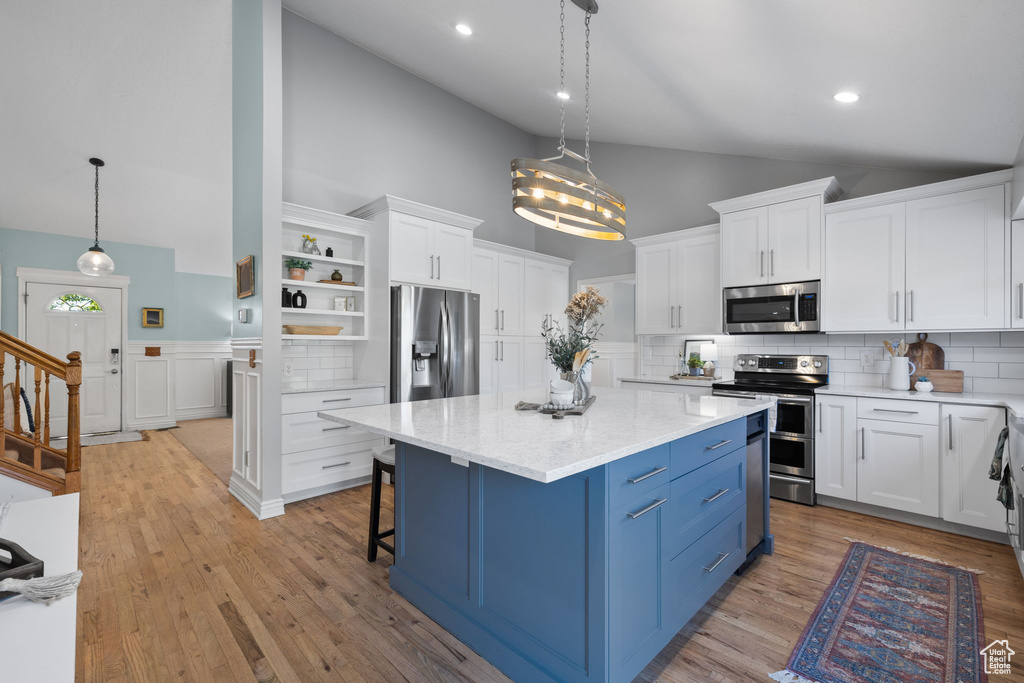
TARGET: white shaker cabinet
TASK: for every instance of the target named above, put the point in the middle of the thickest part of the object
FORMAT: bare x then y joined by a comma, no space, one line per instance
501,363
955,268
969,437
865,264
899,466
794,240
677,282
835,447
1017,274
745,247
547,294
499,279
426,245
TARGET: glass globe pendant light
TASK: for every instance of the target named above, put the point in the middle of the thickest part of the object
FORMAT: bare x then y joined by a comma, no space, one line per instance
562,198
95,261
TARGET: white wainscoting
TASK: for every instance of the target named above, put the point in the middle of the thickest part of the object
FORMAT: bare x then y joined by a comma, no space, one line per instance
185,382
614,360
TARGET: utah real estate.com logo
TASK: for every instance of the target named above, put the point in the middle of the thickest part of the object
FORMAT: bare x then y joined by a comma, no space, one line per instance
997,657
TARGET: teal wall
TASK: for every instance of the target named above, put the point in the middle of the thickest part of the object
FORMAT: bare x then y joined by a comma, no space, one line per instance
196,307
247,152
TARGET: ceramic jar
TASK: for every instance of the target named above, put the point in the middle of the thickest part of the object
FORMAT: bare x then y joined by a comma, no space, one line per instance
297,273
923,385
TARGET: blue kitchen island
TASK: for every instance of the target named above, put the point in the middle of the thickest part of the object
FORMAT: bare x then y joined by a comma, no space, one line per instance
574,549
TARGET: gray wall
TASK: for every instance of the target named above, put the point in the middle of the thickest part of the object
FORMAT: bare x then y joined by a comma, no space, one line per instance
668,190
357,127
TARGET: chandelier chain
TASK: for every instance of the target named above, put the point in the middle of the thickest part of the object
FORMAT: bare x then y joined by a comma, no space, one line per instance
586,151
97,206
561,77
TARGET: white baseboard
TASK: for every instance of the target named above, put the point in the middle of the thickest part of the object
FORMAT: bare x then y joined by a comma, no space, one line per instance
915,519
259,508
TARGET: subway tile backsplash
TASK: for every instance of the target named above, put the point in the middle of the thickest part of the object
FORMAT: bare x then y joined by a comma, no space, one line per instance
316,363
992,361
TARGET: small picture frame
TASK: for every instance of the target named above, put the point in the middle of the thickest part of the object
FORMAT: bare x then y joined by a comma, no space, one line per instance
691,346
343,303
245,277
152,317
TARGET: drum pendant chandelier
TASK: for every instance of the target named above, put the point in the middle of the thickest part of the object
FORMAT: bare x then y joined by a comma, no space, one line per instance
561,198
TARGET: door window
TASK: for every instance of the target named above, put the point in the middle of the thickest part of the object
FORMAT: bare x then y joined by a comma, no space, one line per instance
75,303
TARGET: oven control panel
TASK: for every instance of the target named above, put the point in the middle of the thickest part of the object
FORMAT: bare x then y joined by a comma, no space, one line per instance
793,365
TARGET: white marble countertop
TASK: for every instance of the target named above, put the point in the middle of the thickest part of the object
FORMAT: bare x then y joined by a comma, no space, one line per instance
39,640
1012,402
689,381
488,431
336,385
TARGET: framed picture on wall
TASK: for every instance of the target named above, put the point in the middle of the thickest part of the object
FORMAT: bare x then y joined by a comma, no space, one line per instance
245,277
692,346
152,317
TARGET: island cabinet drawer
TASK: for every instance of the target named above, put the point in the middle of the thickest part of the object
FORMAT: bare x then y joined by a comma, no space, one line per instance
696,573
331,400
638,473
917,412
703,498
692,452
325,466
306,431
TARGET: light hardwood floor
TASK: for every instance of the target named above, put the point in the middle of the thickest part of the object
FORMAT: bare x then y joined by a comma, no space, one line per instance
182,583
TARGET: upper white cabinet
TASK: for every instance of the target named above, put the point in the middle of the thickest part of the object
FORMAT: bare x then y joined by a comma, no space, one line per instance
426,245
499,279
969,437
1017,274
677,282
774,236
955,273
930,258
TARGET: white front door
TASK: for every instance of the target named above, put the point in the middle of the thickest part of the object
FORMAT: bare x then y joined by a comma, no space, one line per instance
60,319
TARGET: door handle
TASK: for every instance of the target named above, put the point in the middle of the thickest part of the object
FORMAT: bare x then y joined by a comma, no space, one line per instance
863,445
438,267
431,267
897,305
640,513
336,400
761,261
1020,300
796,307
889,410
114,371
910,306
495,350
712,499
334,429
496,326
671,316
817,415
771,263
337,464
502,350
637,480
679,317
502,314
722,557
718,445
950,432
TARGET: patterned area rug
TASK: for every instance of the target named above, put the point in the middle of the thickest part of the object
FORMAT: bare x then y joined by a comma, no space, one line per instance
891,618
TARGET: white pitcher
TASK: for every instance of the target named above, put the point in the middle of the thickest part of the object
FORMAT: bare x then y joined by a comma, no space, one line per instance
900,370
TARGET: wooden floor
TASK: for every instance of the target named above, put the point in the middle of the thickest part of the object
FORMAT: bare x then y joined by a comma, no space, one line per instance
182,583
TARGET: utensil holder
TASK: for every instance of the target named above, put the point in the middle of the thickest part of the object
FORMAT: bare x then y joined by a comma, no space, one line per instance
900,370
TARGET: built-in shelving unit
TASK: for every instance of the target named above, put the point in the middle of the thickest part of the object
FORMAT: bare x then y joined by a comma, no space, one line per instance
348,239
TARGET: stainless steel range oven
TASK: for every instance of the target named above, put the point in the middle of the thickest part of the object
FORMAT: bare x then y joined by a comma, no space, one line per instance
792,379
785,308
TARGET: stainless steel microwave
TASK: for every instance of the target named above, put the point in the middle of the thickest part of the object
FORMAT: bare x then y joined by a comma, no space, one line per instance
767,309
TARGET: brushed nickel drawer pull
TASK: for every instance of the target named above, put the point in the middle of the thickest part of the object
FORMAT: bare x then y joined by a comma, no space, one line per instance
331,429
901,412
637,480
338,464
718,445
640,513
337,400
722,557
712,499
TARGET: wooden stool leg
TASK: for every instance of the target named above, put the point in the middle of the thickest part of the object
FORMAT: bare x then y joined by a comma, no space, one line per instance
375,484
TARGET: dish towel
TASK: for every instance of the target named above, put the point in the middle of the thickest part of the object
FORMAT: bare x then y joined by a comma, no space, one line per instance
997,472
773,412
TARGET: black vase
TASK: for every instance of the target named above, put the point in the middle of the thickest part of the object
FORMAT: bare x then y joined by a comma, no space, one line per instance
286,298
298,300
330,253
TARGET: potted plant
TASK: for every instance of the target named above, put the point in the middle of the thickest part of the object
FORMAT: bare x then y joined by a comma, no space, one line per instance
566,347
297,268
694,363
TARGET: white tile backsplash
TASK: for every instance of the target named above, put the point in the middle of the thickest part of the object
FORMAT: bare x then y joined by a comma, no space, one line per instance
316,363
991,361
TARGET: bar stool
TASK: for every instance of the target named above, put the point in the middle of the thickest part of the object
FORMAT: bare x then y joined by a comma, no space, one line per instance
383,461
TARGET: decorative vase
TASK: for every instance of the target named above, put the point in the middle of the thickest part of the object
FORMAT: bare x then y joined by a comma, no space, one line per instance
286,298
298,300
900,370
297,273
336,276
695,372
329,253
709,369
309,247
581,391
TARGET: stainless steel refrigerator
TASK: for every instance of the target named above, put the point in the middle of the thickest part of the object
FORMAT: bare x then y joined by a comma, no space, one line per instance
435,343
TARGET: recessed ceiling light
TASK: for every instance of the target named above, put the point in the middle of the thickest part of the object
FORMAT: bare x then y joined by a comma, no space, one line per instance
464,30
562,95
846,97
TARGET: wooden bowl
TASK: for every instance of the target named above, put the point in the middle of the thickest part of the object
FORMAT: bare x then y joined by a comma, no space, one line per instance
325,330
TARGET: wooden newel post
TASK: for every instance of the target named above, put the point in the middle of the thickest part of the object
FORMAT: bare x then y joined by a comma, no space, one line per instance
74,382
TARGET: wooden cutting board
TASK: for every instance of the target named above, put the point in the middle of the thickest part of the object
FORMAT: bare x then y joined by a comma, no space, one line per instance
951,381
925,355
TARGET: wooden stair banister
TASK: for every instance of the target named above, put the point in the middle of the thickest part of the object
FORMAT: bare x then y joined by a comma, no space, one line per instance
31,457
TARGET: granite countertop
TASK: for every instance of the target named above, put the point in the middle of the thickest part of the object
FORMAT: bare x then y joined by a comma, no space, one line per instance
688,381
487,430
336,385
1012,402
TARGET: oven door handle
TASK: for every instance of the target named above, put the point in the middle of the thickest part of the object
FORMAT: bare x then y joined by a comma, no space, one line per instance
794,399
734,394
